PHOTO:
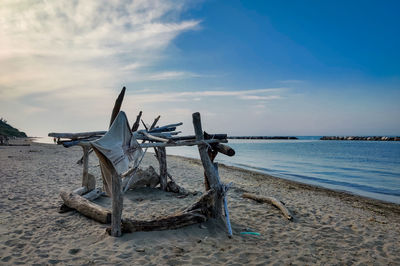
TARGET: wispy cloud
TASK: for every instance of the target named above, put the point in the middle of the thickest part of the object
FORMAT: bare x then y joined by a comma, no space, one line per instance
256,95
77,45
291,81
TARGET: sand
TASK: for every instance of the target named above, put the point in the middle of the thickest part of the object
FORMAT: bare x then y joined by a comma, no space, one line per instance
329,227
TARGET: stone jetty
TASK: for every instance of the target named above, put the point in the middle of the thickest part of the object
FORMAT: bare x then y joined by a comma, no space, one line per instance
371,138
260,137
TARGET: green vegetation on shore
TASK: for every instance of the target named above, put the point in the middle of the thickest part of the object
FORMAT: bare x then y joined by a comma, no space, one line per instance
7,130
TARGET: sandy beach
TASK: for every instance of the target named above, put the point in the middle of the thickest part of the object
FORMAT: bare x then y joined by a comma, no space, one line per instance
329,227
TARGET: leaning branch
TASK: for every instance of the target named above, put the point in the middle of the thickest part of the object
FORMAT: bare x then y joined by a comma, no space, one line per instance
272,201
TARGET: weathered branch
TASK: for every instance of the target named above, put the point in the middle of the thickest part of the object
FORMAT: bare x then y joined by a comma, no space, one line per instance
272,201
155,122
74,136
137,122
170,127
153,138
197,213
224,149
86,207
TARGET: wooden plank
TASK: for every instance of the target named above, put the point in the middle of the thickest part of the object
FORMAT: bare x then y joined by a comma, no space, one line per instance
117,105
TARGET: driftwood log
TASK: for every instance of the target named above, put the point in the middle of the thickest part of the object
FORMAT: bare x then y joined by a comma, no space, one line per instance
75,136
272,201
197,213
86,207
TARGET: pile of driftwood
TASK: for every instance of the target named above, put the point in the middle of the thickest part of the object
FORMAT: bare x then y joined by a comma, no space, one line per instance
159,138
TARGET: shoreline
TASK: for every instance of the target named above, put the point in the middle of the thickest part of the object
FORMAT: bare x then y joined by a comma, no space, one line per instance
342,194
329,227
267,175
233,167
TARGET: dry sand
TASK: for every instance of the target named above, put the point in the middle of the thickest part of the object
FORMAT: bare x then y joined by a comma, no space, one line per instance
329,227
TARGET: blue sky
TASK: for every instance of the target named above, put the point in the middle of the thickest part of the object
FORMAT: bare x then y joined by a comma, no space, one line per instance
250,67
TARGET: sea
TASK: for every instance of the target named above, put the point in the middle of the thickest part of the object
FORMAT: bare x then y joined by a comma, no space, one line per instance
366,168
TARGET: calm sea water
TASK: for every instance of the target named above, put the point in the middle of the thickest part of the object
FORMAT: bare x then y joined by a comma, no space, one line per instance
367,168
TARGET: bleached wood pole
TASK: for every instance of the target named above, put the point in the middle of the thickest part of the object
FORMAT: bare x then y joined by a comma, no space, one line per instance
117,105
162,159
225,190
272,201
117,205
208,166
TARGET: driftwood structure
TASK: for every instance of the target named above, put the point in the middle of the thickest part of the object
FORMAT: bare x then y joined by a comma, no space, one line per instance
159,138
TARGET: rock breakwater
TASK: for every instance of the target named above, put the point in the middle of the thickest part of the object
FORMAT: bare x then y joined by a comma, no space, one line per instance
261,137
371,138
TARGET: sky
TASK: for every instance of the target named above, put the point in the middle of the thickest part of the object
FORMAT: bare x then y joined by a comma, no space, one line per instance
294,68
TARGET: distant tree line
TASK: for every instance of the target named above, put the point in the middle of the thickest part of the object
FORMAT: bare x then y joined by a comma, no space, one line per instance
9,131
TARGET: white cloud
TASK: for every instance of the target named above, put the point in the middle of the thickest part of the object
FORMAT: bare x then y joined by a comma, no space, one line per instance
292,81
78,45
257,95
